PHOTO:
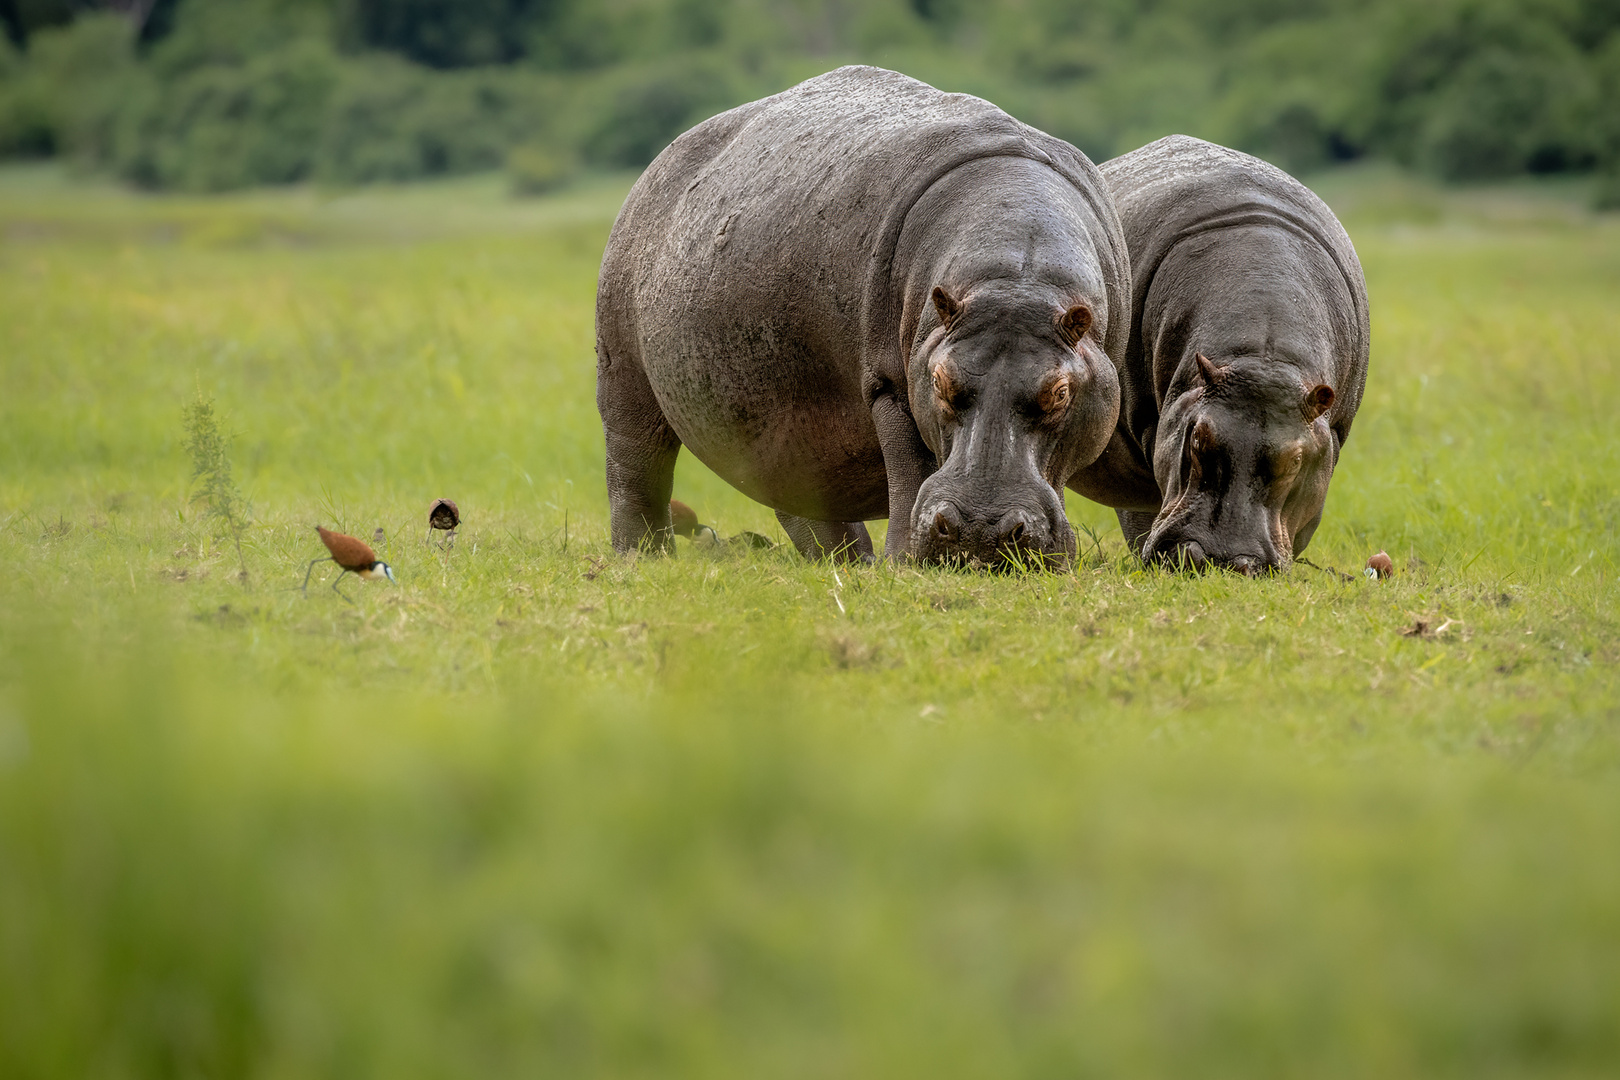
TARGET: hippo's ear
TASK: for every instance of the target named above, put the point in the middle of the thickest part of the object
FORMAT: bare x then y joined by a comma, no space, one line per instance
947,307
1206,367
1318,400
1074,323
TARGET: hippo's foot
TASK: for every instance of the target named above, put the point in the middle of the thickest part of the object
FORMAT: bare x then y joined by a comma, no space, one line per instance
842,541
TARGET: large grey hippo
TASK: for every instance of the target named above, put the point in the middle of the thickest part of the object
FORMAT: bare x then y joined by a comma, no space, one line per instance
859,298
1246,361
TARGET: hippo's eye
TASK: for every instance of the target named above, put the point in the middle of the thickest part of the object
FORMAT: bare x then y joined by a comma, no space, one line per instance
1055,395
1283,466
946,390
1203,437
1198,452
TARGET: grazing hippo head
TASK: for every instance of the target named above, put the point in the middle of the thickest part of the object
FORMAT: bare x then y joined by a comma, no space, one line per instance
1012,391
1243,455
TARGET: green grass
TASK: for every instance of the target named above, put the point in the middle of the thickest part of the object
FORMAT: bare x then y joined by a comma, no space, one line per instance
541,810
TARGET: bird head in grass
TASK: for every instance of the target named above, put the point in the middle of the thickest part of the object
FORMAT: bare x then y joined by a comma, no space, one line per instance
683,521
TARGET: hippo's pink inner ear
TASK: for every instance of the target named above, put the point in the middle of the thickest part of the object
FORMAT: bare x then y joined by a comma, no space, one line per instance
1074,323
947,307
1318,400
1207,368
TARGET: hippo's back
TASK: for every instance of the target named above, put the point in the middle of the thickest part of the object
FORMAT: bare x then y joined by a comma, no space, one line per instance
1179,187
791,206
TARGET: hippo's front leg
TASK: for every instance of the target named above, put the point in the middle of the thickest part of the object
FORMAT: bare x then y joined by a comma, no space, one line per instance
908,462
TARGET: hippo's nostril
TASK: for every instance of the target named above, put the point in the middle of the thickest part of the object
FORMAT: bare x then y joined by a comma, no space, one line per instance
1180,554
944,527
1013,531
1244,565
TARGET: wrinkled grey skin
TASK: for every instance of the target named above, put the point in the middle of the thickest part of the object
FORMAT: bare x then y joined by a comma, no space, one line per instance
1226,461
861,298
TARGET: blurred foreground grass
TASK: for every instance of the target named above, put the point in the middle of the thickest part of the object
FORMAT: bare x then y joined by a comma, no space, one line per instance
541,810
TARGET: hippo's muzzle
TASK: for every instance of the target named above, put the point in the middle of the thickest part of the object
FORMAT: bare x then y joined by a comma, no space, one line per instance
955,530
1180,546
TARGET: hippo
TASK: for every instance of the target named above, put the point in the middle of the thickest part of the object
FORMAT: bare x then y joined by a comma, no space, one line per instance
864,298
1246,359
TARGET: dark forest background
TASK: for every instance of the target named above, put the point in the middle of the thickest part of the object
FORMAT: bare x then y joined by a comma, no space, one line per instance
206,95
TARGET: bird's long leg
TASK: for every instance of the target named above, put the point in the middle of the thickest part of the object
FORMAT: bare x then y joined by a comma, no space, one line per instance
311,570
335,582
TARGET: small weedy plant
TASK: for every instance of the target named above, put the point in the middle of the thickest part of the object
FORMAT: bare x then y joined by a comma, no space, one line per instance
211,483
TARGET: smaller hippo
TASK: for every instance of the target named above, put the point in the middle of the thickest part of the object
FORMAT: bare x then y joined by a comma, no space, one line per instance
1245,364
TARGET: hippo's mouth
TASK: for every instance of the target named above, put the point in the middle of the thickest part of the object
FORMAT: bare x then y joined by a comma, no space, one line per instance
1191,556
1178,542
1019,544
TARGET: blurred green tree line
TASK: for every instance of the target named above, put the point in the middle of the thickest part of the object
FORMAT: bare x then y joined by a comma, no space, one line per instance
217,94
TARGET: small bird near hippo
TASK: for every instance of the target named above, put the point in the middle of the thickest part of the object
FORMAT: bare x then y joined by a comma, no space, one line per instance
446,518
684,521
353,555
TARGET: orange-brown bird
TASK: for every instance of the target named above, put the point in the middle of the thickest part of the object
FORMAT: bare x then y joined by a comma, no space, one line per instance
444,516
1380,566
683,520
354,556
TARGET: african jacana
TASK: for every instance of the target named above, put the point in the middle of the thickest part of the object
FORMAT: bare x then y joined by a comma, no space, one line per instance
354,556
444,516
683,520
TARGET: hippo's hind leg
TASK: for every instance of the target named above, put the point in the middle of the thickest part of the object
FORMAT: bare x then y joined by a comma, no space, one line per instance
846,541
1135,524
641,453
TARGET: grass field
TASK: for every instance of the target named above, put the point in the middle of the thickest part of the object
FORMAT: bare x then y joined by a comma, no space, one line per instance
539,810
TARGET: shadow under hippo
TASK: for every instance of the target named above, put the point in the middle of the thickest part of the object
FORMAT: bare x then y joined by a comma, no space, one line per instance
863,297
1246,360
